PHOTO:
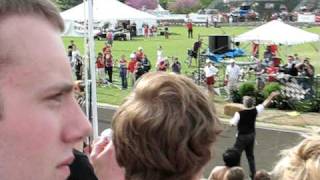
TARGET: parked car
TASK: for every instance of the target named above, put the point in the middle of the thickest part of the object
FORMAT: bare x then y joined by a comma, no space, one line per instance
118,34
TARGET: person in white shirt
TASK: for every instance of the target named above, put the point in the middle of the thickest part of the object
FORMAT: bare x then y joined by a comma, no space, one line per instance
159,56
210,72
232,76
245,121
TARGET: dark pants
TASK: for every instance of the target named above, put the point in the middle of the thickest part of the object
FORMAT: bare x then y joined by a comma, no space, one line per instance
109,71
123,75
190,33
79,76
246,143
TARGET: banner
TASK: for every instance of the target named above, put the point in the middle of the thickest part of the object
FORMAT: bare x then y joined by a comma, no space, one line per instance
306,18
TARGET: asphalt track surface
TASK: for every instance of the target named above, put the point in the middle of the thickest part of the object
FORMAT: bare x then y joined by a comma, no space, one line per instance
268,145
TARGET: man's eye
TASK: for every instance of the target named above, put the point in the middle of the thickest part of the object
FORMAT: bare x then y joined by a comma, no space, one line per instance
56,97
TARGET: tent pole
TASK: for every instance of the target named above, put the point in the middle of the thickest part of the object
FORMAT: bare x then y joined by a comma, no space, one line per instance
86,65
93,91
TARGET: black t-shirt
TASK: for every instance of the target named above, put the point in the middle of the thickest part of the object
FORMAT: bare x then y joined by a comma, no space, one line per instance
70,50
81,169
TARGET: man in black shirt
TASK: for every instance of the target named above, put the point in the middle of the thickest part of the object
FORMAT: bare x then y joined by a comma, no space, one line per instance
245,121
70,47
195,50
81,168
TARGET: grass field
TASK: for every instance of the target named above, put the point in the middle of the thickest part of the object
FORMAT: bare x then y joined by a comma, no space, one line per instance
177,45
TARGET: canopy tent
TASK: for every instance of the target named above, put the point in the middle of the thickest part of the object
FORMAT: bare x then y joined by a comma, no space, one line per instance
277,32
159,11
109,11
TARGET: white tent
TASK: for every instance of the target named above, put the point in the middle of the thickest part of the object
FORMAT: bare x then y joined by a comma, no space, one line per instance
277,32
109,11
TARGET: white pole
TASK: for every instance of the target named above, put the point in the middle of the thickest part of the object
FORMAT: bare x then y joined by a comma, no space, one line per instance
86,59
92,70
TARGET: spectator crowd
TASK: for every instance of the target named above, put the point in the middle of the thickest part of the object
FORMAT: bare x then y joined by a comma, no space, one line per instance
164,130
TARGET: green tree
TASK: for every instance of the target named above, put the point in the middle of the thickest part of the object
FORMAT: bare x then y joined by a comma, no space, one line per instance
164,3
205,3
67,4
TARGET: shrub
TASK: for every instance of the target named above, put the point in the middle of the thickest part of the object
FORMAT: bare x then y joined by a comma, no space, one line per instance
235,96
247,89
307,105
269,88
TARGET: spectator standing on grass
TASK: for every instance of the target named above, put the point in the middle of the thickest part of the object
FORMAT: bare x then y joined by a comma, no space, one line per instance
232,76
139,54
146,30
195,50
106,49
100,68
131,68
259,70
123,72
75,55
159,55
110,37
70,47
210,72
79,68
108,61
138,70
146,64
176,66
245,121
166,32
190,29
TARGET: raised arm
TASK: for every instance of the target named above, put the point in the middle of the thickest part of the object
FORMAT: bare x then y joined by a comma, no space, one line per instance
270,97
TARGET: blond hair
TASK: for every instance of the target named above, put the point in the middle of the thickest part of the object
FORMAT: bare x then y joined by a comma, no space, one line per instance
165,128
42,8
301,162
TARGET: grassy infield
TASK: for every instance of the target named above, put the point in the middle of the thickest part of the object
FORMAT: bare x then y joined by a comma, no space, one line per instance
177,45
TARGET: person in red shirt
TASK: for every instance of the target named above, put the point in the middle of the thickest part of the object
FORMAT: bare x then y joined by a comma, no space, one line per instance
106,49
139,54
272,71
131,68
100,66
146,31
190,29
108,65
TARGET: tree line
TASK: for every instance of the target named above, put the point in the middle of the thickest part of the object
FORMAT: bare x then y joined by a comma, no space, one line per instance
176,6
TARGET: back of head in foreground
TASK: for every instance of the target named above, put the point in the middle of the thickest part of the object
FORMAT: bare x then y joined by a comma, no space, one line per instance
234,173
164,130
40,121
301,162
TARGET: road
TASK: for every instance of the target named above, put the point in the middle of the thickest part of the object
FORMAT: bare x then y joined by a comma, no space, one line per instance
268,143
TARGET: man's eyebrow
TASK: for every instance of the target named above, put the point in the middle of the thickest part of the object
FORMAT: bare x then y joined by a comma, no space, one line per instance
62,87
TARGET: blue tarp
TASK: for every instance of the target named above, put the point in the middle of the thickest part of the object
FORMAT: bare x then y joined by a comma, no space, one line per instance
229,54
